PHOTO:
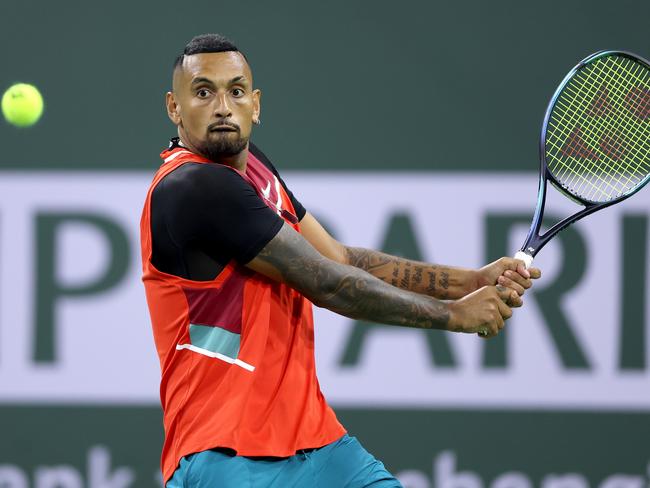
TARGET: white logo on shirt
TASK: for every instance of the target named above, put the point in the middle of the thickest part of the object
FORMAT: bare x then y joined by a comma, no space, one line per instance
266,192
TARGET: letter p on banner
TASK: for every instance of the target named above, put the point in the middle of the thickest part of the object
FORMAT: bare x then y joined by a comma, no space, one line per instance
49,289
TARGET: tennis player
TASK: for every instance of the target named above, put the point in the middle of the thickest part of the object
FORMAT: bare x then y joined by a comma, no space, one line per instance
232,263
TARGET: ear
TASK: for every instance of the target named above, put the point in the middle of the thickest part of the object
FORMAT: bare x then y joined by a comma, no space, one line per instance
173,110
257,96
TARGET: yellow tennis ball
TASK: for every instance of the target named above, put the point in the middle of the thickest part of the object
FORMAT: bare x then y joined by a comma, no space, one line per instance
22,105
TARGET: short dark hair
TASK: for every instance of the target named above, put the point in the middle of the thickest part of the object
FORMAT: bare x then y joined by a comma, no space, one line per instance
206,43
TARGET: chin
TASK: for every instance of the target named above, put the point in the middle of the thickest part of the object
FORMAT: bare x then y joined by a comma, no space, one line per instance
220,147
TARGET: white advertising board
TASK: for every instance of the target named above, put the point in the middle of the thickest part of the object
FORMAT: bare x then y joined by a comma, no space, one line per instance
101,349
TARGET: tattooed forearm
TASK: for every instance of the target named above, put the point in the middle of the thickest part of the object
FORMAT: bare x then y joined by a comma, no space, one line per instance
437,281
444,283
406,278
431,286
417,275
345,289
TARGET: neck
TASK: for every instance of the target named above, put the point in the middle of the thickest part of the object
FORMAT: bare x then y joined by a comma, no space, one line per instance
236,161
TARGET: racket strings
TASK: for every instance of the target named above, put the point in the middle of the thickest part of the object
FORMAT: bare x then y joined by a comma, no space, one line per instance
598,134
615,181
636,160
597,95
600,106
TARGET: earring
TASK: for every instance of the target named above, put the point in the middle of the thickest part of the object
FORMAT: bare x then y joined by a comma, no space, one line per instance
257,122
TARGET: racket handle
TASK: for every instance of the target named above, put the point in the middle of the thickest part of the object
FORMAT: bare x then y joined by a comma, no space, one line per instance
526,258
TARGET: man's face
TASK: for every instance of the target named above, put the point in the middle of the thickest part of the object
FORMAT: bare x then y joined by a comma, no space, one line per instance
214,104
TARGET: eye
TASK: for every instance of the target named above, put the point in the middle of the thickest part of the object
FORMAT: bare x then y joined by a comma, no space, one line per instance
203,93
238,92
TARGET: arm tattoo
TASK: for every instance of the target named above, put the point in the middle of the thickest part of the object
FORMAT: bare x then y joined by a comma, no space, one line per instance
406,279
431,286
345,289
436,281
417,275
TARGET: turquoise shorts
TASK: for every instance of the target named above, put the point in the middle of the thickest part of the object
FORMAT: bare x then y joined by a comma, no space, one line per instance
344,463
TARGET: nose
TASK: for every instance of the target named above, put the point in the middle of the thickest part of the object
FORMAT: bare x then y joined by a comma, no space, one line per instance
222,109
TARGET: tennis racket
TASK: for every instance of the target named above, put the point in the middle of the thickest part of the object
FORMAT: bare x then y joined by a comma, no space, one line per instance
595,141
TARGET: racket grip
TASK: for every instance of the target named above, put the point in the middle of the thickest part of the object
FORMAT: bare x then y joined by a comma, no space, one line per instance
526,258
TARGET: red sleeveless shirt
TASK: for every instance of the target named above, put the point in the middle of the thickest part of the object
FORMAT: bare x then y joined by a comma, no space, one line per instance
236,353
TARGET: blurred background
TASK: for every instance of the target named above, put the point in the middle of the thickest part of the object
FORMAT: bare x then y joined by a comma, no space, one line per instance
406,126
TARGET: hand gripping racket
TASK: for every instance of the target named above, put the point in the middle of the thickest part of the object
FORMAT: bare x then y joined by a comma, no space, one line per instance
595,141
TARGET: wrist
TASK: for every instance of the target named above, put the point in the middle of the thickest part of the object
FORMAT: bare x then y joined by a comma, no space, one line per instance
471,281
432,313
453,319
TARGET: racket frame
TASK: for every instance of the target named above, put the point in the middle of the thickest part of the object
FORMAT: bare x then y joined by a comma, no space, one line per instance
534,241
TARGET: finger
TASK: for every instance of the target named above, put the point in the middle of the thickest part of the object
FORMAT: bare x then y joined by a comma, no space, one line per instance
504,310
503,292
518,278
511,263
521,269
508,283
515,300
508,296
535,273
497,325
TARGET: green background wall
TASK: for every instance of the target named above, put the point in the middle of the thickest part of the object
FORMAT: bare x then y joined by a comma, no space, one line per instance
539,449
347,84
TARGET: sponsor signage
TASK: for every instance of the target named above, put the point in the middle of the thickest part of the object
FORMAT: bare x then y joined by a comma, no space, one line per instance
74,328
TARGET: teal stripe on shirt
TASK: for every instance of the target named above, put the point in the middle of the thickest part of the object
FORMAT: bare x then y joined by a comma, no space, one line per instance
215,339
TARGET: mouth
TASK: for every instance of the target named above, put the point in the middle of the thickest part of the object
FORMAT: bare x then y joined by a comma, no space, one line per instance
222,128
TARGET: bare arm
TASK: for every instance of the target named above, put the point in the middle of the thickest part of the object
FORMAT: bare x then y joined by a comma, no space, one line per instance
442,282
354,293
344,289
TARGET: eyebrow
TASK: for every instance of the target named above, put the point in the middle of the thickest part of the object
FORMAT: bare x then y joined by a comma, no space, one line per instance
202,79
